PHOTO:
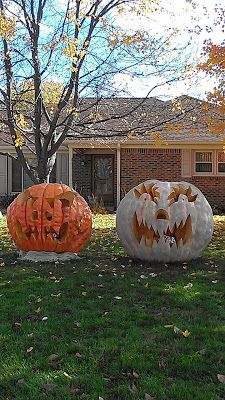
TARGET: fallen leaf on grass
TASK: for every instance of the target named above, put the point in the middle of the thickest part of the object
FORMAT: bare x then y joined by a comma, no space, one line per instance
117,297
20,382
78,355
221,378
177,330
53,357
16,326
74,389
84,293
133,388
202,352
30,349
162,364
135,375
188,286
38,310
67,375
53,278
49,387
38,300
148,397
56,295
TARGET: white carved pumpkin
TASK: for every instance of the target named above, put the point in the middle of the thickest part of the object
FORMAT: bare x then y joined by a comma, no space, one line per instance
164,221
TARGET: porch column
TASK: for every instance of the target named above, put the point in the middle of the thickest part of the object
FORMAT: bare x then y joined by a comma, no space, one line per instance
70,167
118,174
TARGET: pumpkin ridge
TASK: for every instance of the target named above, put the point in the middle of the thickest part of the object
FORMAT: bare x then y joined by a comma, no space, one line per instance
41,224
63,191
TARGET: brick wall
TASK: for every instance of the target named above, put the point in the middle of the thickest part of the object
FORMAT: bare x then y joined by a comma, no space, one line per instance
138,165
212,187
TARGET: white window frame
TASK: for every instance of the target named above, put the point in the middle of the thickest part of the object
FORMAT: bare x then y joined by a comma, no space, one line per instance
217,163
211,173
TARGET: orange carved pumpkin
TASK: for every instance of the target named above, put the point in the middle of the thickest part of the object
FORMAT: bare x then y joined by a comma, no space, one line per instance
49,217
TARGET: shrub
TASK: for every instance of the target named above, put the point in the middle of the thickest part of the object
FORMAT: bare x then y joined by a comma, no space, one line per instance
7,199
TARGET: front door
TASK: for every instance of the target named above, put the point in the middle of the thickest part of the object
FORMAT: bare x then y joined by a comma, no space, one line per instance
103,178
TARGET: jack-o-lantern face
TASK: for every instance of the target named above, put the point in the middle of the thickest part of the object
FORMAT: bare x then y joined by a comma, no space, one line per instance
164,221
49,217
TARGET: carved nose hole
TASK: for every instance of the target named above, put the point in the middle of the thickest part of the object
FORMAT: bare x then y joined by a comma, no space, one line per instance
48,216
34,215
162,214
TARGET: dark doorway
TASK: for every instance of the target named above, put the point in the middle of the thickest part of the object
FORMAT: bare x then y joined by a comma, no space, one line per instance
102,178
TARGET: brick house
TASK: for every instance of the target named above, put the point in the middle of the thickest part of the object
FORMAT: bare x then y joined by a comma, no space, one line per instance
159,140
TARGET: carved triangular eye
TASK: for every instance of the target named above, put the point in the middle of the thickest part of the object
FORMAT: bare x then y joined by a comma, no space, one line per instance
24,197
149,189
50,202
174,195
66,199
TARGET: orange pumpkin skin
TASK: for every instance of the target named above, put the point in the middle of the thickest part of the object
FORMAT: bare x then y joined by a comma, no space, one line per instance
49,217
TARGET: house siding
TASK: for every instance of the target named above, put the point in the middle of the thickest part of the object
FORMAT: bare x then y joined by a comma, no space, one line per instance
3,175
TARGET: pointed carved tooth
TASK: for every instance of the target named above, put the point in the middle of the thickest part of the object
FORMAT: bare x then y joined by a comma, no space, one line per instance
136,228
150,236
168,233
157,236
171,196
149,189
181,189
188,192
192,198
35,233
63,231
178,234
155,193
188,229
137,193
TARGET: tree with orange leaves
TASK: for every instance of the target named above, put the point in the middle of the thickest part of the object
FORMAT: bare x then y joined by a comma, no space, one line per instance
214,66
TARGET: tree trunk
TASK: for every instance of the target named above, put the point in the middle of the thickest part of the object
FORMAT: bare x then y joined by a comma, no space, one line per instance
44,168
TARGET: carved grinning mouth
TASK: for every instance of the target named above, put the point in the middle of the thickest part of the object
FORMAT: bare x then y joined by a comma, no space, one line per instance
176,234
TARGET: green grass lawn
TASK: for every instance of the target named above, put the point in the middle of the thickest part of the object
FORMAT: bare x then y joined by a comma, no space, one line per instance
104,327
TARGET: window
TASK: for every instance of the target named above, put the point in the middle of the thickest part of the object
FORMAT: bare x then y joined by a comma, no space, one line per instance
221,162
204,162
20,180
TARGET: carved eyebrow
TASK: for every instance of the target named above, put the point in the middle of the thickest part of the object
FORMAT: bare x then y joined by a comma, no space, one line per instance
150,189
173,197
